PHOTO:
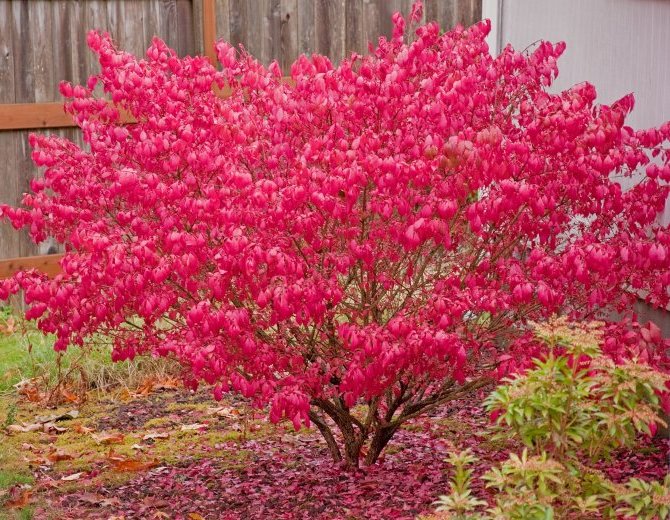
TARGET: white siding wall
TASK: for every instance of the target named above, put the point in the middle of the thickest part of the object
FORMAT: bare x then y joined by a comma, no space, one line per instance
620,46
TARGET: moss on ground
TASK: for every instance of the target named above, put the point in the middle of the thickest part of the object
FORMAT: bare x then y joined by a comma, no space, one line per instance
180,407
452,424
159,422
93,458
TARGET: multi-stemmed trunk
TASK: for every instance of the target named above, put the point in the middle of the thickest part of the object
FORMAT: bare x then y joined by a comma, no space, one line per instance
364,440
355,445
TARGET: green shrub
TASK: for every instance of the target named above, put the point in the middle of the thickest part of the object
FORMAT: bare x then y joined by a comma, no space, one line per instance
569,411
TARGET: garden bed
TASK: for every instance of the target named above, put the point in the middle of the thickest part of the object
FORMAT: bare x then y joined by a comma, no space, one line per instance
180,455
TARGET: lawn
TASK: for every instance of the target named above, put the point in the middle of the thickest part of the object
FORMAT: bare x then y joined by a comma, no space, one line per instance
29,369
143,445
23,355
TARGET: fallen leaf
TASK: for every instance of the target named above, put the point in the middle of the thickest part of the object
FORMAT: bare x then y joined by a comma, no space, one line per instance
145,388
21,500
196,516
24,428
90,498
112,456
223,411
51,427
80,428
69,396
169,383
74,476
48,438
58,455
132,465
107,438
152,502
139,447
155,435
97,500
66,416
23,383
48,483
27,446
195,426
29,389
290,439
37,461
33,395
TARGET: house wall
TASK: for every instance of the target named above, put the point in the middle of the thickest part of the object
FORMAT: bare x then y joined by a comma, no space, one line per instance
620,46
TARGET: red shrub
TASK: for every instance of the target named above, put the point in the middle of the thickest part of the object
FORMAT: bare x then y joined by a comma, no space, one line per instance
377,233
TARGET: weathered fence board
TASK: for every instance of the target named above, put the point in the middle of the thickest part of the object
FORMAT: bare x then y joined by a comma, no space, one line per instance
48,264
282,29
43,42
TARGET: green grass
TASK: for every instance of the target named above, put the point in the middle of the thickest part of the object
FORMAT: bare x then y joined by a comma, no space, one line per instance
24,356
27,353
13,471
25,513
10,477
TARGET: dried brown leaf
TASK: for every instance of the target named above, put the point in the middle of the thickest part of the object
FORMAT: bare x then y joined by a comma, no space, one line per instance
132,465
53,428
80,428
21,500
23,428
107,438
65,416
223,411
58,455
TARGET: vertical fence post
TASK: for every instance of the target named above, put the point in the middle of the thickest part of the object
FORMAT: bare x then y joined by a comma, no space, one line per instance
209,29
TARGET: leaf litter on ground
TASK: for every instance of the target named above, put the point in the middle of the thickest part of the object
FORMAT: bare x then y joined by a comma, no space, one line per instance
278,473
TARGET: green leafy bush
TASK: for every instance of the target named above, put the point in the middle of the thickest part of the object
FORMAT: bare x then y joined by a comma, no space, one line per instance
569,411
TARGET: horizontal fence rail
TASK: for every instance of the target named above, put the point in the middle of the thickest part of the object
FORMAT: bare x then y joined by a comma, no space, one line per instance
47,264
26,116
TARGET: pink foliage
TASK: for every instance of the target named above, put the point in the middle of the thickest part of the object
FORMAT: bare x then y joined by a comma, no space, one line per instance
369,232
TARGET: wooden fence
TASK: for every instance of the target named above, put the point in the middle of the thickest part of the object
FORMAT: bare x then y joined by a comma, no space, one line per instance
44,41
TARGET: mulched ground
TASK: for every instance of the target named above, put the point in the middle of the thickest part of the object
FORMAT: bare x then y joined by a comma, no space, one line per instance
290,476
134,414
